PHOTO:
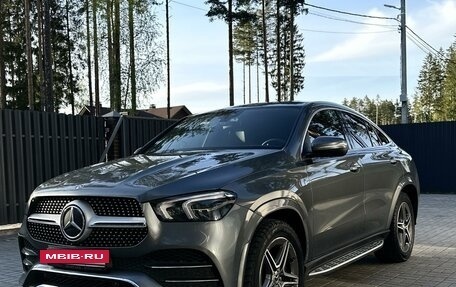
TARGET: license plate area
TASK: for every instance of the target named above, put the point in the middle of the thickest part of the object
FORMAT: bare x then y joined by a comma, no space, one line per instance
76,257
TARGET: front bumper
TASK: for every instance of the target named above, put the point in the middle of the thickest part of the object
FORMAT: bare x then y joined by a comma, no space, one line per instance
190,254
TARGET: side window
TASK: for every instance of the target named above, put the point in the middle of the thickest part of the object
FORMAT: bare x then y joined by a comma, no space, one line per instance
323,123
358,131
376,141
383,139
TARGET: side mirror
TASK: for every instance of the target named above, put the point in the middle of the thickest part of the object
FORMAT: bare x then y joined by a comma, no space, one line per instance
326,146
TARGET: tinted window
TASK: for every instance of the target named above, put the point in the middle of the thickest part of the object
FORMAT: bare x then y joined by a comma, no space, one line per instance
324,123
357,129
225,129
383,139
375,139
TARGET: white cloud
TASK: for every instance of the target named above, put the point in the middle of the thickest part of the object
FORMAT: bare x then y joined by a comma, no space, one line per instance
436,23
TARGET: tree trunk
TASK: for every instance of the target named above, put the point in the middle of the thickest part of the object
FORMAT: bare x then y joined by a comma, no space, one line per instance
131,27
110,53
250,82
39,5
2,63
292,53
89,62
168,68
258,75
230,50
265,52
279,69
70,65
28,43
116,56
95,58
243,80
48,59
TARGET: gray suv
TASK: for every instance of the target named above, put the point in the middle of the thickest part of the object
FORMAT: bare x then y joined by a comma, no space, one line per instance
257,195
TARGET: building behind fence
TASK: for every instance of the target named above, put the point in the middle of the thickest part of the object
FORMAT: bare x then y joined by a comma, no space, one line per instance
37,146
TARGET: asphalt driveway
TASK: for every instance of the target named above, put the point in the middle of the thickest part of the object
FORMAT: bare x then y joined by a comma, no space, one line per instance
433,262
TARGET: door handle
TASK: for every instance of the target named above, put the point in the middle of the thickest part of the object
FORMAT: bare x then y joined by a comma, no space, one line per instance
393,161
355,167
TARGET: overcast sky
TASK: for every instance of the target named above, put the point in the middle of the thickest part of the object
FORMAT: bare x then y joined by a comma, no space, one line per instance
343,60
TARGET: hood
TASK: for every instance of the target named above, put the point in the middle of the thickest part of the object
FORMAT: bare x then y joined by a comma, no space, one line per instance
165,175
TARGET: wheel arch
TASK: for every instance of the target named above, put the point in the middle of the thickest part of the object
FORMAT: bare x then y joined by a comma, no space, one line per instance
283,209
408,187
412,193
288,211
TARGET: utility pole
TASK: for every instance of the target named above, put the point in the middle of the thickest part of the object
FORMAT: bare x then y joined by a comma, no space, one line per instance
167,61
404,101
265,52
403,30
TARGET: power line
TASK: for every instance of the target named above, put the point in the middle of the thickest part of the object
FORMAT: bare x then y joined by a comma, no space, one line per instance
350,13
349,21
426,48
426,43
419,45
188,5
346,32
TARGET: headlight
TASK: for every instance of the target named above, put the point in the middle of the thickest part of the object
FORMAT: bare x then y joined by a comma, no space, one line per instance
200,207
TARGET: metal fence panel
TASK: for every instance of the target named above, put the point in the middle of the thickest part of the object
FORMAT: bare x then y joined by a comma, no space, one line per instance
35,147
432,146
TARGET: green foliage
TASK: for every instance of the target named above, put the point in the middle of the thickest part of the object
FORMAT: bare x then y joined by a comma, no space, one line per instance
68,40
435,97
449,84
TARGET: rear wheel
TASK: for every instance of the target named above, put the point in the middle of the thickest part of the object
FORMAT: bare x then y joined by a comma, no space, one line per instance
275,257
398,245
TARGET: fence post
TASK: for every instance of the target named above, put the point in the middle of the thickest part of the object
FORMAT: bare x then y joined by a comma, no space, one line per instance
111,119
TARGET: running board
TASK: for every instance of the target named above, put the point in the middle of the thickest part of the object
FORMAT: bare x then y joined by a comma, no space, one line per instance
347,258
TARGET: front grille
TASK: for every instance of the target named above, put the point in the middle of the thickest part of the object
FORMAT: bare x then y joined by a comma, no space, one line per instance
174,268
100,237
102,206
56,279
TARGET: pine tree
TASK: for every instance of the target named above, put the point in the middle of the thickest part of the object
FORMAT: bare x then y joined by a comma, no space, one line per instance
244,50
231,11
428,102
449,84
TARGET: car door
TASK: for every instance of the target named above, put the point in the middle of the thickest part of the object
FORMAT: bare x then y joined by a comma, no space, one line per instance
337,189
381,168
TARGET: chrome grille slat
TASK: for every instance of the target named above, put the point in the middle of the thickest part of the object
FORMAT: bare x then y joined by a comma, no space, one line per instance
102,206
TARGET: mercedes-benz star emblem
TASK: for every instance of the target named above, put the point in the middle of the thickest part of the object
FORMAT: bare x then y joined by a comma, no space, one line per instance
72,222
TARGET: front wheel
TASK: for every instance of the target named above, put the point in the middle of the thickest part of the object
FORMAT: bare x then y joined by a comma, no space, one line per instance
399,243
275,257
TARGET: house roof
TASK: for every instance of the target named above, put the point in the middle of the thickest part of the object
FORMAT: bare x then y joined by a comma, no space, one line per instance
163,112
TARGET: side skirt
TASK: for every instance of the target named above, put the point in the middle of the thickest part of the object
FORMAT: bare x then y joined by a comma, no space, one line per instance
347,258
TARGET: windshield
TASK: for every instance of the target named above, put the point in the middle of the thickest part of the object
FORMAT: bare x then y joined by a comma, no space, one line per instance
230,129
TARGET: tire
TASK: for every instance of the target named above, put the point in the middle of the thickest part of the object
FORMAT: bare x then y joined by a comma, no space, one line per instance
398,244
266,264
